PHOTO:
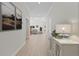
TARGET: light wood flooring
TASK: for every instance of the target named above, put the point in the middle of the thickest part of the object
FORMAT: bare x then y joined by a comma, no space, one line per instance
37,45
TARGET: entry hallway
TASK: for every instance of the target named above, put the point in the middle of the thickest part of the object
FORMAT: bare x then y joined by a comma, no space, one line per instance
37,45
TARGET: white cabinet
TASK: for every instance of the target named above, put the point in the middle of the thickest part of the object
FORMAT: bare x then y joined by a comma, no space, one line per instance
57,52
52,46
64,47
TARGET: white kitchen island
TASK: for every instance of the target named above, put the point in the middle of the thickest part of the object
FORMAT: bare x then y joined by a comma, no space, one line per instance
65,46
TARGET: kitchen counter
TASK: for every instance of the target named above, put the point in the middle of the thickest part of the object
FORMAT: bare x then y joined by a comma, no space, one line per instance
70,40
65,46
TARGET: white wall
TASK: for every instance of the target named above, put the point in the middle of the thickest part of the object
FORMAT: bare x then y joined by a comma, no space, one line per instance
62,12
27,29
49,27
10,41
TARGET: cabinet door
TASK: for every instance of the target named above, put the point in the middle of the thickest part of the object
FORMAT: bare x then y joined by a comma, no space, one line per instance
57,52
52,47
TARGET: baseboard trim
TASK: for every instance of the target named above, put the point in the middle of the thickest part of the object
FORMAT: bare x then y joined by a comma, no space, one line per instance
14,54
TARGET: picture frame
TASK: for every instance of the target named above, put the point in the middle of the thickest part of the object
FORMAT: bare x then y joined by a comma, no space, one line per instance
10,17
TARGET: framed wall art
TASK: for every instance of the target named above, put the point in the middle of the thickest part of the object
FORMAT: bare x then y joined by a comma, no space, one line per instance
10,17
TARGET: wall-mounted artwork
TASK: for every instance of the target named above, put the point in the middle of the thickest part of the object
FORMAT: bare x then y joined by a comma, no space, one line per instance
18,19
8,22
10,17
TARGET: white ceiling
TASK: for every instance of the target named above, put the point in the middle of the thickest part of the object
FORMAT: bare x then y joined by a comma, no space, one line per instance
36,9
